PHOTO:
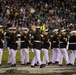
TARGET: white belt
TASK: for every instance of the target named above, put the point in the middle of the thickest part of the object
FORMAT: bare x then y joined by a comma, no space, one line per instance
54,41
72,43
19,41
22,41
37,41
61,42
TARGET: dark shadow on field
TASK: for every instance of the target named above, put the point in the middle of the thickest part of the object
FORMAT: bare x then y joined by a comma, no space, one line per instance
5,66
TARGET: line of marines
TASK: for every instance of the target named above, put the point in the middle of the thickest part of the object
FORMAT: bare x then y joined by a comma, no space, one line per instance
38,41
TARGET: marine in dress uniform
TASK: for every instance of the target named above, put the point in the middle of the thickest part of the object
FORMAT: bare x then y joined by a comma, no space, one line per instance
1,43
37,48
72,47
51,51
45,46
8,34
63,45
13,46
32,47
25,46
55,45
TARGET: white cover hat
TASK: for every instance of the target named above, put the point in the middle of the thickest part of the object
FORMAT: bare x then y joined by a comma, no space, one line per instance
55,30
63,30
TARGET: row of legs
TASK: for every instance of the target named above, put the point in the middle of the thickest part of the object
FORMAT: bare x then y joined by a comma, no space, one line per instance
24,55
56,55
37,57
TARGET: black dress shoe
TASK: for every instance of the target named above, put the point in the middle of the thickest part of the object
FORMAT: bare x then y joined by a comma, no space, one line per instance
42,65
70,64
36,65
0,64
28,63
49,63
56,62
13,65
32,66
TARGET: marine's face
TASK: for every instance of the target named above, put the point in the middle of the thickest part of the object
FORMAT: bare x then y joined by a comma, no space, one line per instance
25,31
74,34
45,33
56,32
1,29
14,31
63,33
10,31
